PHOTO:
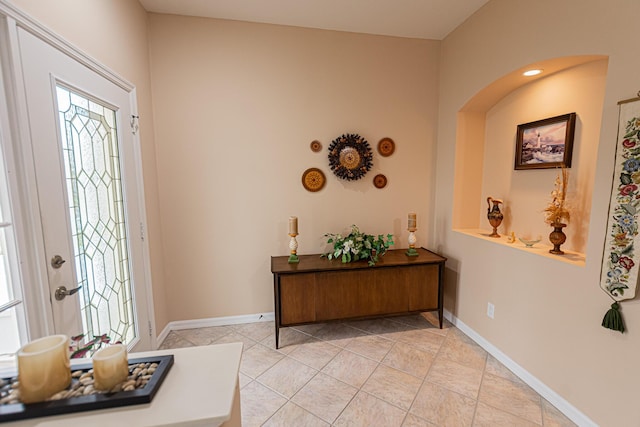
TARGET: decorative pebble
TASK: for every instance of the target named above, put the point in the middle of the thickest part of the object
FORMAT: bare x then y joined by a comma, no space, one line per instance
88,390
12,396
58,395
128,383
85,375
76,374
86,381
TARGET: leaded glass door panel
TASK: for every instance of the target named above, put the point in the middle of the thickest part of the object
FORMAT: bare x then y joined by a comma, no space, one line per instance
84,156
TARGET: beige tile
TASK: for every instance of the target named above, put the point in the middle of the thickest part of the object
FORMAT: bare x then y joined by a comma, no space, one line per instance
287,376
315,353
443,407
293,415
455,377
350,368
422,339
338,334
370,346
420,321
460,348
367,410
247,342
487,416
515,398
392,385
413,421
258,359
290,339
496,368
432,317
379,326
552,417
204,336
408,359
243,379
174,340
258,404
324,397
256,331
309,329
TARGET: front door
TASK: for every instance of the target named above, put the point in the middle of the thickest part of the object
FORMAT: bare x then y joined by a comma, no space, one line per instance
84,158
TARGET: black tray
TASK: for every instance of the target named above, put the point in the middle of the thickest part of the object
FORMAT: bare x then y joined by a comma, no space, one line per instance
21,411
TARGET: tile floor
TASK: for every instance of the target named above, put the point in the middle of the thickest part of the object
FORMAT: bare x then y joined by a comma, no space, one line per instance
401,371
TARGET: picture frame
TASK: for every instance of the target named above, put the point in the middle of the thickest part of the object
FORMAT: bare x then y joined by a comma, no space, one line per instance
546,143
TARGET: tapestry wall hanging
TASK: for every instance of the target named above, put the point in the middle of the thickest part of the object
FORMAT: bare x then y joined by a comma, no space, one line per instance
621,260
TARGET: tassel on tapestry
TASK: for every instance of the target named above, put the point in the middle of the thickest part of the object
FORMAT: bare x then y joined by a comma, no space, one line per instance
620,263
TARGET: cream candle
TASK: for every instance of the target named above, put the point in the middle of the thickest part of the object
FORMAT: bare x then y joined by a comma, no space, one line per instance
293,225
110,366
43,368
412,223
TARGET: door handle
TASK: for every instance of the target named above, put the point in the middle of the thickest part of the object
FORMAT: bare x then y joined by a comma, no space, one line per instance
62,292
57,261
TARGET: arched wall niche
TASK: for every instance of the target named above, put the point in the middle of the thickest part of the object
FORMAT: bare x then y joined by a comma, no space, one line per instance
485,151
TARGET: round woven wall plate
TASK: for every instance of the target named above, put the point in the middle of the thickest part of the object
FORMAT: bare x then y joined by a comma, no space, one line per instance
313,179
316,146
350,156
380,181
386,147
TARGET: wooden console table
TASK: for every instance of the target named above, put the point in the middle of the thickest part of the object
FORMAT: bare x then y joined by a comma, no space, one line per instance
317,290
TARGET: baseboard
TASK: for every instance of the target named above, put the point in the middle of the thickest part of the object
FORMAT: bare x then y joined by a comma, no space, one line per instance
212,321
542,389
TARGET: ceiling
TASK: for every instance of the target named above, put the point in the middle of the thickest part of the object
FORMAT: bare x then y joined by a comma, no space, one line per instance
424,19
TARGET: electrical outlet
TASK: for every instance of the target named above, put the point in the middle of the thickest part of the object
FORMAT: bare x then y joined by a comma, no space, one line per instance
490,310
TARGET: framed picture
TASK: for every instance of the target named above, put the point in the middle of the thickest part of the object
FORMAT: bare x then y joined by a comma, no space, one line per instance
545,143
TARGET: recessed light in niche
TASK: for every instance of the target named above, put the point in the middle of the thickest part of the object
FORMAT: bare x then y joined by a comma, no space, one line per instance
530,73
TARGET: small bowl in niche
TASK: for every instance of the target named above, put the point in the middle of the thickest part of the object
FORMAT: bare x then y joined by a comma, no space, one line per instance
529,242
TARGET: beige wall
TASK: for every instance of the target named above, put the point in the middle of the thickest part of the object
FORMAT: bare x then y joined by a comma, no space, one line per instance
236,107
114,32
548,312
526,193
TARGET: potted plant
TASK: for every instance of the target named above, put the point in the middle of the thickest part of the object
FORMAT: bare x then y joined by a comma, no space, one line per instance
358,246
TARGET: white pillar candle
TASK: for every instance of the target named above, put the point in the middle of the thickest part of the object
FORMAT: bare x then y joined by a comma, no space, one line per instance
43,368
412,222
110,366
293,225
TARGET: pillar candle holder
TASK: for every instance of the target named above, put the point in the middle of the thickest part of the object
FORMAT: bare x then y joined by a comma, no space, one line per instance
110,366
293,246
44,368
412,244
412,226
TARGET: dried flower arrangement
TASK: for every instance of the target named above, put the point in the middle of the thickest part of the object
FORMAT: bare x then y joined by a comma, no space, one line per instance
556,211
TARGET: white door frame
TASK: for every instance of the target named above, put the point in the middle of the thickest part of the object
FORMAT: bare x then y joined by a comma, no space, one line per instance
15,129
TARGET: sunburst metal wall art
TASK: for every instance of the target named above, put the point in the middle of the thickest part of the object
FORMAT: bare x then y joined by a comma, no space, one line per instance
350,157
